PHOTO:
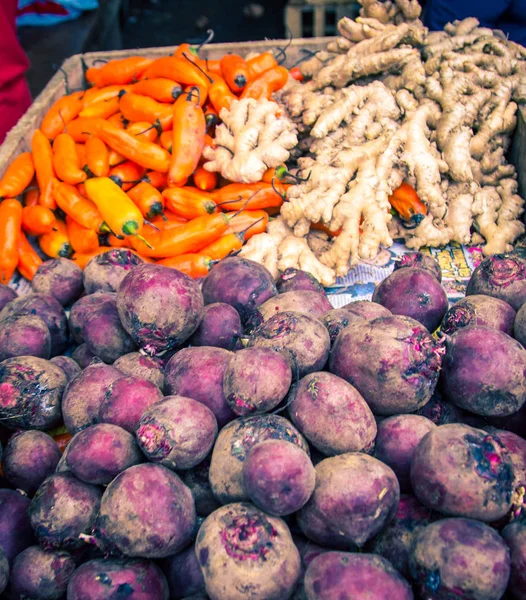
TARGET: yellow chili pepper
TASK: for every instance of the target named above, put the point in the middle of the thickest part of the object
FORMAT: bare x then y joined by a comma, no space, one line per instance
56,244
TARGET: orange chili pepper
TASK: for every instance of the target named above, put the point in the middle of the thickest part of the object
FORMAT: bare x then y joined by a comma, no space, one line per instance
142,108
212,66
325,229
260,64
80,209
189,130
118,72
56,244
146,154
10,232
106,93
97,157
116,242
148,199
118,120
168,219
220,94
177,69
237,196
200,93
18,176
101,110
230,242
82,129
193,264
126,175
249,221
66,160
160,89
185,49
63,111
81,238
166,140
37,220
31,197
266,84
81,189
158,180
115,158
28,259
296,74
211,117
190,237
189,202
43,161
80,149
406,202
234,71
143,130
205,180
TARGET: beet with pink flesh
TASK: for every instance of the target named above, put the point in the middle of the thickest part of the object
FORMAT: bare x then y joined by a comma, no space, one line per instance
138,365
392,361
62,509
198,482
414,293
28,458
177,432
339,515
278,477
4,571
242,283
31,390
337,319
70,367
24,336
332,414
302,339
233,444
16,533
106,271
198,373
146,511
48,309
479,310
104,334
82,308
183,574
519,325
112,578
219,327
349,576
125,401
99,453
294,280
420,261
395,541
256,380
396,442
40,574
6,295
84,395
484,371
159,307
84,357
463,472
60,278
368,310
515,536
440,411
458,559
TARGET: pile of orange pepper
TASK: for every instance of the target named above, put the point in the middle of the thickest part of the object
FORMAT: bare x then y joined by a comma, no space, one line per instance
120,165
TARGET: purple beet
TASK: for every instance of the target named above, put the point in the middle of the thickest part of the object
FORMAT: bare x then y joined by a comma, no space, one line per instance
146,511
396,442
198,373
125,401
106,271
484,371
515,536
368,310
501,276
440,411
81,309
479,310
138,365
6,295
183,574
29,457
516,447
414,293
64,508
24,336
421,261
70,367
293,280
198,482
519,326
60,278
84,357
242,283
16,533
106,579
337,319
219,327
85,394
99,453
278,477
40,574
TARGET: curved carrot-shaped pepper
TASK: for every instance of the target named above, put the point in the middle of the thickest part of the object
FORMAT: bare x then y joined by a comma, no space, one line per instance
406,202
193,264
43,161
118,72
142,108
235,72
249,221
146,154
82,129
126,174
18,176
220,94
80,150
237,196
296,74
230,242
188,136
143,130
118,120
266,84
56,244
213,67
189,202
97,157
80,209
81,238
159,88
31,197
10,232
205,180
101,110
102,94
60,114
115,158
148,199
260,64
28,259
177,69
166,140
66,160
158,180
37,220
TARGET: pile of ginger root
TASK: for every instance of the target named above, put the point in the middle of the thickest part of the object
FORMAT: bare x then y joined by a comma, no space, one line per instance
387,102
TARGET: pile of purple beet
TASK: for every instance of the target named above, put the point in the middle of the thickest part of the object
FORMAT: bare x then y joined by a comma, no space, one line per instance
243,440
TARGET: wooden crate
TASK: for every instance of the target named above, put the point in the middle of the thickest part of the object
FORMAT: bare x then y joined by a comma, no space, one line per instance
317,18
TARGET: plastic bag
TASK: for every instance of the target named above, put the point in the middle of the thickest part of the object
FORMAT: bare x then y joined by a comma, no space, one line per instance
51,12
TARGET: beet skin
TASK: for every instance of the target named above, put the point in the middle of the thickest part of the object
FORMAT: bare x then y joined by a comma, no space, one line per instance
420,261
81,310
293,280
515,536
60,278
479,310
24,336
144,367
219,327
6,295
106,271
16,533
68,365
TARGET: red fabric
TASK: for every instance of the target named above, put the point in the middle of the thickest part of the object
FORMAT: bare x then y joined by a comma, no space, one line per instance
14,92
